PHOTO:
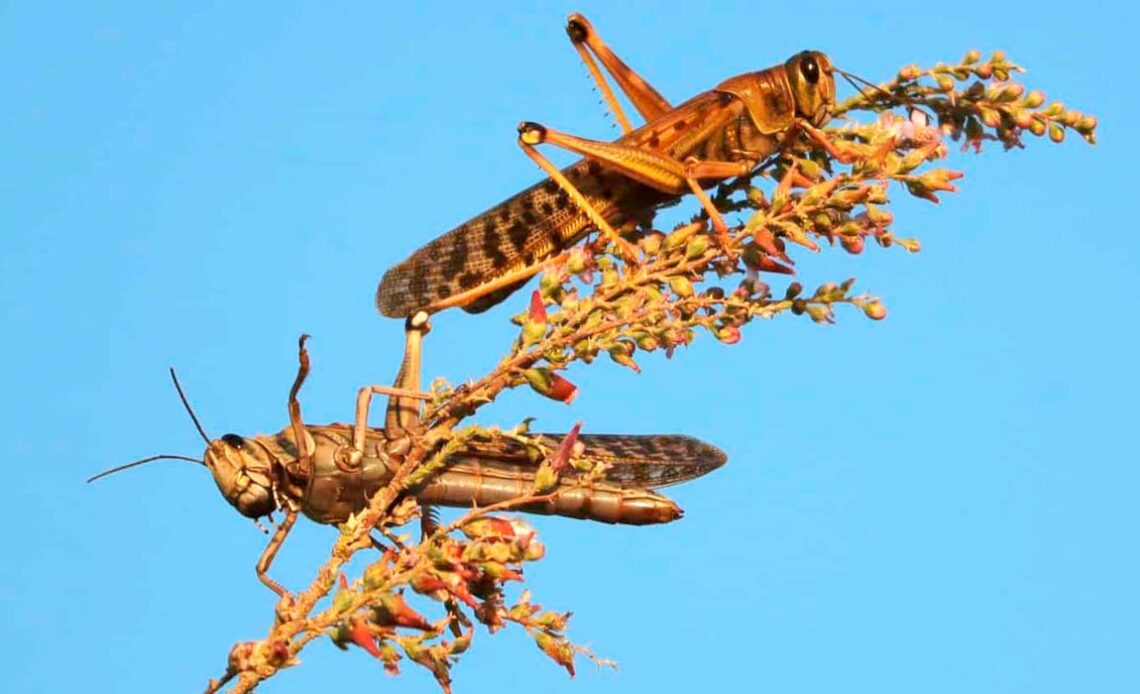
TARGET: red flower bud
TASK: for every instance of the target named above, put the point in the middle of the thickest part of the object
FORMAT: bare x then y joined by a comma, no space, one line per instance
548,383
852,244
537,310
767,242
362,636
766,264
561,458
427,584
393,611
534,326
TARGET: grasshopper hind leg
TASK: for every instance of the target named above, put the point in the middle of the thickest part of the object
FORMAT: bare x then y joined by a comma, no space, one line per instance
647,100
531,134
494,298
404,413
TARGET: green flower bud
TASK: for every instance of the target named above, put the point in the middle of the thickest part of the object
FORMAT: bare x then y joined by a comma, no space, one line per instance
651,242
681,286
545,479
696,247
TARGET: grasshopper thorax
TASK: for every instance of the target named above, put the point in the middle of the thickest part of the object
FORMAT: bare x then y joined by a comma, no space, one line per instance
243,471
812,79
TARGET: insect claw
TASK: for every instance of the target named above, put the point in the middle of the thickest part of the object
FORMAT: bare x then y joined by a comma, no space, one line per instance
259,526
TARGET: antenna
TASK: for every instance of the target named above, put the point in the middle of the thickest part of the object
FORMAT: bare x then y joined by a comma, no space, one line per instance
186,404
852,78
894,98
144,461
151,459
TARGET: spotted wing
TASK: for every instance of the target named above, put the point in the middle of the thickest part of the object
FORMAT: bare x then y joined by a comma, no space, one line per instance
478,264
642,461
501,248
500,241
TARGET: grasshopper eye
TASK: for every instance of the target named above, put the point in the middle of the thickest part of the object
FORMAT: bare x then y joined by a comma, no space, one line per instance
234,440
810,69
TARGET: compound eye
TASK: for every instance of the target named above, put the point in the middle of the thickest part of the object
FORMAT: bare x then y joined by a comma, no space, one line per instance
234,441
810,69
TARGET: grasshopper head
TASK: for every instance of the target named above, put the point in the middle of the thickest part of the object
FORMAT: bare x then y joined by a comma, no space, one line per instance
243,470
813,85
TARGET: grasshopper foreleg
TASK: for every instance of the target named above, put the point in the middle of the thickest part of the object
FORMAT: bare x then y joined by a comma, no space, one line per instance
270,552
303,453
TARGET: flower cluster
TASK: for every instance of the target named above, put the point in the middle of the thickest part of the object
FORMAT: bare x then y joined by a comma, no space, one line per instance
466,575
687,280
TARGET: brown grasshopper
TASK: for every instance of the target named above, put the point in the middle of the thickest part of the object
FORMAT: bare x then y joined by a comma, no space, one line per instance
723,133
338,467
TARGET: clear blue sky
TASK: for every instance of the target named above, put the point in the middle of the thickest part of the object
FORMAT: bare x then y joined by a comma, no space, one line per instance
941,502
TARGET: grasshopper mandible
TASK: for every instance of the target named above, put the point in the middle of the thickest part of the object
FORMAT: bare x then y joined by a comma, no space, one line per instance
338,467
723,133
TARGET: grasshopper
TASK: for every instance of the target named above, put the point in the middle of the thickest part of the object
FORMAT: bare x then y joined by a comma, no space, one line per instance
719,134
328,472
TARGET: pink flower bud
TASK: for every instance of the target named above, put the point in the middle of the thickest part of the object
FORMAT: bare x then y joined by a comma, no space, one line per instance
729,335
561,458
852,244
875,310
910,72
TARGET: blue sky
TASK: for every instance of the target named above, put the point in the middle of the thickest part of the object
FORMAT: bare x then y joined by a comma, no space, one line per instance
939,502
